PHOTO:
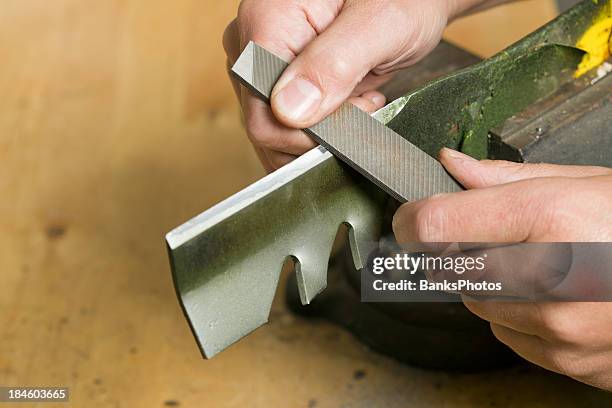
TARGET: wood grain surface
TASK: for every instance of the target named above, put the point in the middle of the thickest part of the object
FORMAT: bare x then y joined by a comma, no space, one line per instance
116,124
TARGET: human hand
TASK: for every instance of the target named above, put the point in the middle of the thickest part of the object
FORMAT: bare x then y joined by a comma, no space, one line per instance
511,202
338,49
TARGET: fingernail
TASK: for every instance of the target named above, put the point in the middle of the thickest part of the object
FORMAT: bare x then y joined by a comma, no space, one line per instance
377,99
455,155
298,100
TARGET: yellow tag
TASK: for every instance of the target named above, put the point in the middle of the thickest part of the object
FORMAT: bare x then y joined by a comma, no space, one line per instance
596,41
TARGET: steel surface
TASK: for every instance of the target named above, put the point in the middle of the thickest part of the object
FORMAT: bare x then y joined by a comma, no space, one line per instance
227,260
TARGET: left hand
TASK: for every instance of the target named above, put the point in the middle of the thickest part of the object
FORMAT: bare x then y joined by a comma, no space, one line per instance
512,202
337,49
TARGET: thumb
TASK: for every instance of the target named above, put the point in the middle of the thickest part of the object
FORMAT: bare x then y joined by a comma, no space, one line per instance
472,173
325,73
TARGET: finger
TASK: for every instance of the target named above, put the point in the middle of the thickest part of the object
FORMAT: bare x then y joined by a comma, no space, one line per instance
284,28
518,316
568,323
325,73
231,45
472,173
372,81
279,159
575,324
582,363
370,101
266,132
263,158
531,348
431,248
494,271
231,41
504,213
233,81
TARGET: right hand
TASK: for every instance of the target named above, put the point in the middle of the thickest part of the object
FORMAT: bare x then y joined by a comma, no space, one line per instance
338,50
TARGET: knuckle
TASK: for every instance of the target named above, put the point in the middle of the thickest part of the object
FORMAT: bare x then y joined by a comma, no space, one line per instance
278,160
333,75
253,25
533,168
266,137
262,137
505,314
535,207
339,68
244,11
559,328
229,39
559,213
258,131
398,222
513,171
264,132
430,221
498,333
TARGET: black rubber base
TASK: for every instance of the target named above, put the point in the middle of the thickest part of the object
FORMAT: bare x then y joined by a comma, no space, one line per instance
443,336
